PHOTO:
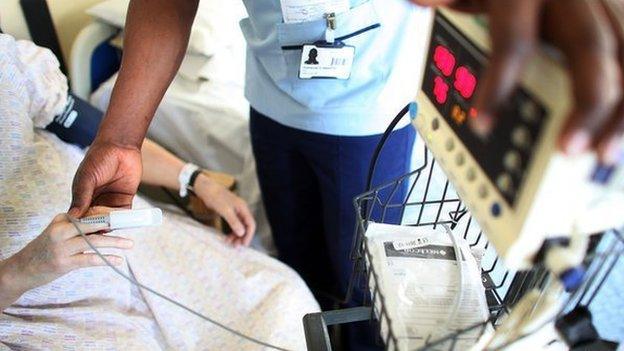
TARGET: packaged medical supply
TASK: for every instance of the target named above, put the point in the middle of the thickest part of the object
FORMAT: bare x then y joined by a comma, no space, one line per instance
427,293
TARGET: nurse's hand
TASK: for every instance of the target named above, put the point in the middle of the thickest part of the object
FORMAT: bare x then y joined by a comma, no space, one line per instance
592,40
58,250
229,206
109,175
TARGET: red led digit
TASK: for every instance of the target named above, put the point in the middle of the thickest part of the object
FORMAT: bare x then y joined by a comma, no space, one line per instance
440,90
444,60
465,82
472,112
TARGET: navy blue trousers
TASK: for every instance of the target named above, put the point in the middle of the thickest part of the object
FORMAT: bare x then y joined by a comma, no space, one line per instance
308,182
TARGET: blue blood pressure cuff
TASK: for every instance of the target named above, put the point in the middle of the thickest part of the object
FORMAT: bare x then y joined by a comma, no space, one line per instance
78,123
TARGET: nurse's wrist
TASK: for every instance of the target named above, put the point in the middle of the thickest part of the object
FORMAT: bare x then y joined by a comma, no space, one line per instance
116,141
119,136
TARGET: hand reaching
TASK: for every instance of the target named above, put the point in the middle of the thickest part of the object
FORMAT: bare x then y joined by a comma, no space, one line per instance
109,176
590,33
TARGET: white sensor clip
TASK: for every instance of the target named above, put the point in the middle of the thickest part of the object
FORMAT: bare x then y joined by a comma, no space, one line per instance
127,218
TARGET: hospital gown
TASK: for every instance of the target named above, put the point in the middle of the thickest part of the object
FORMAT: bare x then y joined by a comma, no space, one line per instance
93,308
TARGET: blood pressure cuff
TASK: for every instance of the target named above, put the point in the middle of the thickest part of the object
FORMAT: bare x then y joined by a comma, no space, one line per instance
78,124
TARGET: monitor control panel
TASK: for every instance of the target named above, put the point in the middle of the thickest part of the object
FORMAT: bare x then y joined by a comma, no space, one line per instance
516,183
450,82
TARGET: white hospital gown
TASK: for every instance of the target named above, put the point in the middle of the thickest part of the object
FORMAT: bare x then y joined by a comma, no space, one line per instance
93,308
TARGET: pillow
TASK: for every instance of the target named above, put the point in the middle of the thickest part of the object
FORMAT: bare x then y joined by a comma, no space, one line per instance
30,82
112,12
215,26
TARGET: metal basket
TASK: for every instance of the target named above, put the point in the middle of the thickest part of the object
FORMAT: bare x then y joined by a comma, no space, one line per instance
431,202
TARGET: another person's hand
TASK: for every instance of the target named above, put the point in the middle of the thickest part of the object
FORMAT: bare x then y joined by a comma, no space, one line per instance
109,176
590,33
58,250
229,206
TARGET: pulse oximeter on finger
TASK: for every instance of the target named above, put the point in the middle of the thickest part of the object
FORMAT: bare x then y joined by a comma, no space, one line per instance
126,219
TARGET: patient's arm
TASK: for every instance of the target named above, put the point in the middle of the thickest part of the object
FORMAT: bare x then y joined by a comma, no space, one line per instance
58,250
162,168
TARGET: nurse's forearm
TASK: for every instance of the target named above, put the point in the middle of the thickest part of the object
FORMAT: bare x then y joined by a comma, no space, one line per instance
156,36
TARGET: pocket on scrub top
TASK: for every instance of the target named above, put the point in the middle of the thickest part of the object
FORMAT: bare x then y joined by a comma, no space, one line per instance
357,27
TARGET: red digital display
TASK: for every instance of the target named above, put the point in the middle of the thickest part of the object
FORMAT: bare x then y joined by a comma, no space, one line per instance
472,112
444,60
465,82
440,90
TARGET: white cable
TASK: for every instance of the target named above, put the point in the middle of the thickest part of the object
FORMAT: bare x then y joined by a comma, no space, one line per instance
460,267
192,311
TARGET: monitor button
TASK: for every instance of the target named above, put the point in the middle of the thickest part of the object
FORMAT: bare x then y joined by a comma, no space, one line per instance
471,174
496,209
512,161
521,137
504,182
529,111
483,191
460,159
435,124
449,145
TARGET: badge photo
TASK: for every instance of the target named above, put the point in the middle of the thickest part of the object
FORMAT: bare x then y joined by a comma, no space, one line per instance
333,62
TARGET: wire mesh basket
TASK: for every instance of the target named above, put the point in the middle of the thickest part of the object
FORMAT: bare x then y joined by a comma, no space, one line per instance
431,201
426,198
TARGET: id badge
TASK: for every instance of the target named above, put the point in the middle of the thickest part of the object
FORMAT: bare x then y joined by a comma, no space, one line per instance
326,61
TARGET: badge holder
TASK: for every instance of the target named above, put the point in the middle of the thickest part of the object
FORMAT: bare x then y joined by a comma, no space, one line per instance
328,59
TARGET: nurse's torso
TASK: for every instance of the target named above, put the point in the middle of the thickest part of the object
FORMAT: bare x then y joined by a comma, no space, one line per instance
388,36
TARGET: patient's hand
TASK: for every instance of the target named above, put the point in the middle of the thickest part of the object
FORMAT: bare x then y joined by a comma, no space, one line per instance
55,252
229,206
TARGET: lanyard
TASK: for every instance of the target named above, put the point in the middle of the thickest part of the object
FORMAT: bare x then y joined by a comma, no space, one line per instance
330,35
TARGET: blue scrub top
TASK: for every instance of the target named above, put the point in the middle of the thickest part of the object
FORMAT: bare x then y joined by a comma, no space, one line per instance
390,39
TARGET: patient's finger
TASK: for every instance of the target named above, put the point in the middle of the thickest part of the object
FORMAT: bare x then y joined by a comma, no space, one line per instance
78,244
250,224
93,260
66,230
237,226
231,240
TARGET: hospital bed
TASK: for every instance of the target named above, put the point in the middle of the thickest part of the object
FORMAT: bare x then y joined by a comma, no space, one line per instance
203,117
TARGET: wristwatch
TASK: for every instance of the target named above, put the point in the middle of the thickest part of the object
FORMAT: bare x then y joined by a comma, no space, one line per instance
187,177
